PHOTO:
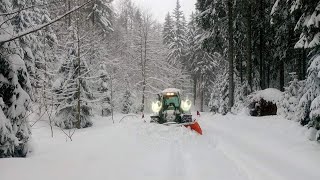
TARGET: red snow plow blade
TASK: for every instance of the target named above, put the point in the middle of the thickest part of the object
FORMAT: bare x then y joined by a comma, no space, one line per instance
196,127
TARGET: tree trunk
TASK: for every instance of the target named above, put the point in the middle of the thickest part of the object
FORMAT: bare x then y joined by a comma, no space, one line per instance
79,82
230,53
93,14
304,64
111,96
201,93
144,57
299,67
268,76
194,89
69,16
281,72
249,51
261,47
241,71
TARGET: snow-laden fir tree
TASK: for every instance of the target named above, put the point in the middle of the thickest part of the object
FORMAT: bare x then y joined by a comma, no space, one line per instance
292,94
308,25
101,14
7,137
200,62
168,30
36,46
127,102
241,92
104,91
220,94
311,97
15,91
73,93
176,47
212,19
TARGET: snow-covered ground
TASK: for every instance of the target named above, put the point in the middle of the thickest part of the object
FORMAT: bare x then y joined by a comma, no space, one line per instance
231,148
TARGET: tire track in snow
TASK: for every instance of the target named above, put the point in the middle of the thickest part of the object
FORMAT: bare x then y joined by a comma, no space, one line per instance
253,169
250,156
177,162
189,156
211,162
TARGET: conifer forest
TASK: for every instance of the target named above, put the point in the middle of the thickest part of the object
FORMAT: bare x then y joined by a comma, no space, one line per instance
160,89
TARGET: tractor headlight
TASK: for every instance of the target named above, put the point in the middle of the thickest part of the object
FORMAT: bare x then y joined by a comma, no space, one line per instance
186,105
156,106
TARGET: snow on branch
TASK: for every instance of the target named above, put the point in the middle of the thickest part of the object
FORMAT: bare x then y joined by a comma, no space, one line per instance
28,7
7,38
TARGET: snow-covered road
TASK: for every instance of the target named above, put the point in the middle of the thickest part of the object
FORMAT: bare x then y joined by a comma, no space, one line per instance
232,148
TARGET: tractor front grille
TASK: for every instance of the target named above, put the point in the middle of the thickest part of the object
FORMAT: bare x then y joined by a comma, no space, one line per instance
186,118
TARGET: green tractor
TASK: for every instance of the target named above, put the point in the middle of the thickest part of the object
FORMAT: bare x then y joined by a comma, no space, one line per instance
170,109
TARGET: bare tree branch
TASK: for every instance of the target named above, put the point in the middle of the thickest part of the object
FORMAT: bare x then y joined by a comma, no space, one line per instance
7,38
28,7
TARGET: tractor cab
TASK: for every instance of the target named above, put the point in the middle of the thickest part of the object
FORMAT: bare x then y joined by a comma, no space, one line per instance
171,101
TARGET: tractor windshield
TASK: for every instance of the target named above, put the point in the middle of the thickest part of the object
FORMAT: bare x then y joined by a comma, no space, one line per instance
171,100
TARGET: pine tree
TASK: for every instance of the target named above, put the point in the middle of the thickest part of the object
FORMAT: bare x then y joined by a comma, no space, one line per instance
177,51
211,18
104,90
71,89
308,25
220,94
126,102
309,101
102,14
290,101
205,65
168,30
35,46
15,92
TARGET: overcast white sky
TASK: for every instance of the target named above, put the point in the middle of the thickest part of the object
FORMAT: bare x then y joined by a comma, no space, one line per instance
159,8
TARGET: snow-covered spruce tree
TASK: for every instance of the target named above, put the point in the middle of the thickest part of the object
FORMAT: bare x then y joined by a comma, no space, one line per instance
192,33
308,25
71,88
7,137
176,47
15,92
127,102
211,18
241,92
289,104
168,30
101,14
104,90
36,46
205,66
220,94
309,102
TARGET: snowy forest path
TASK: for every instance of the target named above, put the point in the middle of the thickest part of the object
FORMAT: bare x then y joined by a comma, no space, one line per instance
231,147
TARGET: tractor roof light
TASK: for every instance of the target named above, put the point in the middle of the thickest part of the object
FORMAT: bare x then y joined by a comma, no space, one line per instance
170,94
